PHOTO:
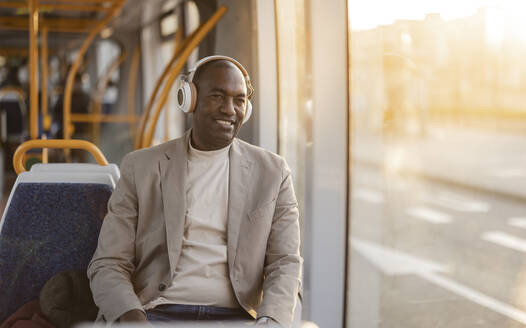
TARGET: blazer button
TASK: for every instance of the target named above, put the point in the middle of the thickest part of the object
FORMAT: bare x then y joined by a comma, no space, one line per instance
162,287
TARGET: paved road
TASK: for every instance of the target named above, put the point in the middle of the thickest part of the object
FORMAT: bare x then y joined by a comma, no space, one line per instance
431,254
489,161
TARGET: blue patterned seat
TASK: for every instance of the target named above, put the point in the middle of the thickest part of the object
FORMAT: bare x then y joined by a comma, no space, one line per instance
48,227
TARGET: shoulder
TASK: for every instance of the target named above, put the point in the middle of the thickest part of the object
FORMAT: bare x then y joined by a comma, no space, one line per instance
152,154
262,157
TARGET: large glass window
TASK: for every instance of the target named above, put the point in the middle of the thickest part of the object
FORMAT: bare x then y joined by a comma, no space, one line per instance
437,201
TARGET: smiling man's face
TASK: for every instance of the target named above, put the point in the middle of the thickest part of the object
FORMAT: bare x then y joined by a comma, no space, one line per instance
221,105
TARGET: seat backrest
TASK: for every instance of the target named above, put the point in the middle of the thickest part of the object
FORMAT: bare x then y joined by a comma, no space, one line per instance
51,224
112,169
56,177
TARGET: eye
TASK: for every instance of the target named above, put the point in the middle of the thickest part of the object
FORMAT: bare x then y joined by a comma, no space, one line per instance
240,101
216,97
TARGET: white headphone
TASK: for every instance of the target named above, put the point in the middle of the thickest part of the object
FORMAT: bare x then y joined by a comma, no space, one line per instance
187,92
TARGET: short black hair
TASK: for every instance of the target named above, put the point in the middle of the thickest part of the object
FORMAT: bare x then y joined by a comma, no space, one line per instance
198,75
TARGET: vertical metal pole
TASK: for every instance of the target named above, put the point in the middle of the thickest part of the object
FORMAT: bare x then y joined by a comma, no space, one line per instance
46,120
33,68
45,154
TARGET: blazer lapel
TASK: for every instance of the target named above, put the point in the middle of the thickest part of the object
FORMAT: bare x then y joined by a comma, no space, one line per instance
173,189
239,173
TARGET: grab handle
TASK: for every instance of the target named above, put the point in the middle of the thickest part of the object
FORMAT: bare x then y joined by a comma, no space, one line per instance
55,143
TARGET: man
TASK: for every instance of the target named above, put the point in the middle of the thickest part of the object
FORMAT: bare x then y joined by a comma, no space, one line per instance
201,224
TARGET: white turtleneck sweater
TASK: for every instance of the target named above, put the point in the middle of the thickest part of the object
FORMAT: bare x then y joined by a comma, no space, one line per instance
201,276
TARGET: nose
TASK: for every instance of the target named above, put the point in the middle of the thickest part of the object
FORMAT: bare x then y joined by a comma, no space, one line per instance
228,106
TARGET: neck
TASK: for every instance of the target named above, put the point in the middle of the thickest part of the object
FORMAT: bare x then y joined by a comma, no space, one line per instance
199,145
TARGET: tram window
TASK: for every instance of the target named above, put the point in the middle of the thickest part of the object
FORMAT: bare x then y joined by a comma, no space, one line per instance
107,53
175,17
437,194
168,24
191,16
192,21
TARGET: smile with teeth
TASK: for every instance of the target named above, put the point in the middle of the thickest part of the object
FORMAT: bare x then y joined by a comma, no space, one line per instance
225,123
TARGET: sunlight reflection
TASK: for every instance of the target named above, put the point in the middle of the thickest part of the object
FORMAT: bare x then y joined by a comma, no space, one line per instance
394,160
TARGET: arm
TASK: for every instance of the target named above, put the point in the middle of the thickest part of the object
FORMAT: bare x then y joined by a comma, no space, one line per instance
112,265
282,260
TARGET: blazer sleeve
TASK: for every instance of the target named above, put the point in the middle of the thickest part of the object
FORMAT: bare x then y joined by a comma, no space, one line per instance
112,265
283,262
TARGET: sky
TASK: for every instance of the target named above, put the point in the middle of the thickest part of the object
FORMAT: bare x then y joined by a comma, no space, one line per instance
366,14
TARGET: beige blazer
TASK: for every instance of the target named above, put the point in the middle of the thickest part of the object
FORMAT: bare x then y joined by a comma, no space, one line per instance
141,237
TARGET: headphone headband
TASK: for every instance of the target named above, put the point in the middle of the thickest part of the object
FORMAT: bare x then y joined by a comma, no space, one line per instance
201,62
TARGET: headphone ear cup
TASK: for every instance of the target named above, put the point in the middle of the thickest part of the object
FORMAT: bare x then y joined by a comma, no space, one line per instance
182,96
193,97
186,97
248,112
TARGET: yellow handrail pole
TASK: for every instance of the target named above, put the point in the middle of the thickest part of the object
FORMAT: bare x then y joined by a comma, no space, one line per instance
174,72
109,118
147,109
51,7
33,69
78,25
54,6
132,79
74,68
101,89
112,2
55,143
20,52
90,1
46,119
19,92
179,37
45,154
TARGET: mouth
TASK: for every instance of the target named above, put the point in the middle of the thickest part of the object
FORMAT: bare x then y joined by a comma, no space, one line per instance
225,123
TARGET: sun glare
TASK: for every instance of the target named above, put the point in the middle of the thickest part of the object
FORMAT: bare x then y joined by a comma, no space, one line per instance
503,16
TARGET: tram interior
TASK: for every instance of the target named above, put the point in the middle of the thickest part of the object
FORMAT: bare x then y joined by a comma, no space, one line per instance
402,123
